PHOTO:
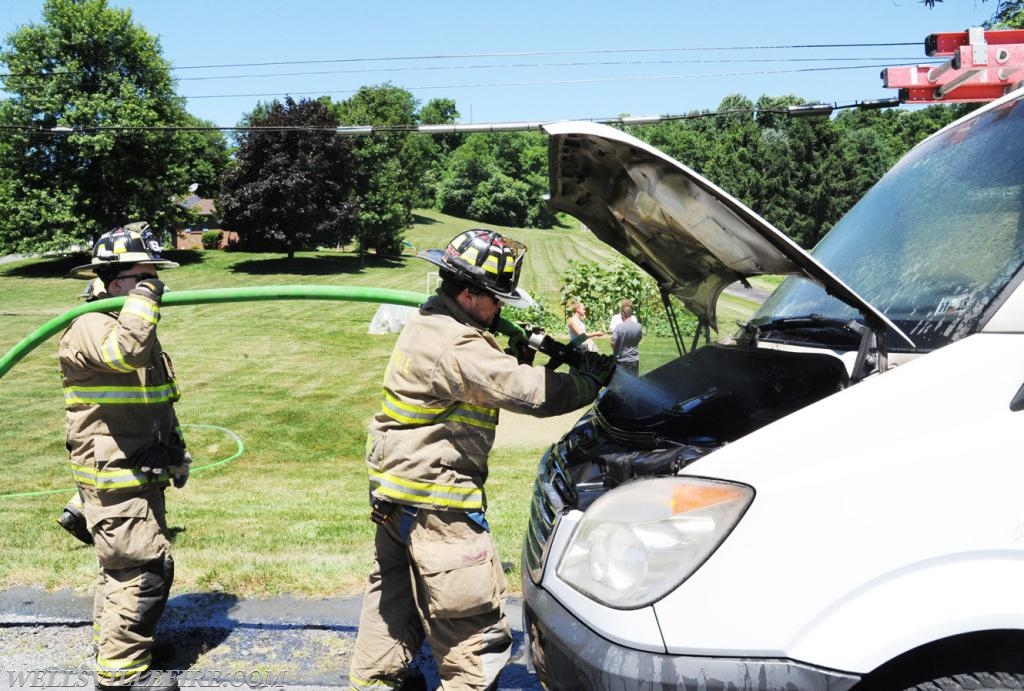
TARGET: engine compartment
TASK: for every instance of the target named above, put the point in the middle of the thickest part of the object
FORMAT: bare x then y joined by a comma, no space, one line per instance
678,413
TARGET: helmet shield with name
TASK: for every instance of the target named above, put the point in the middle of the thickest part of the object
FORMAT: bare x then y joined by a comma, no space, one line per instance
132,244
486,260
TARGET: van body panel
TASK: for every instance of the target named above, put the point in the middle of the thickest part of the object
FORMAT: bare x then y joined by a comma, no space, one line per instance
881,530
847,527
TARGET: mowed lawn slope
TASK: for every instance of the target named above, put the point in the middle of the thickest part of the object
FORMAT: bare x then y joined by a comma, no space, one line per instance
291,383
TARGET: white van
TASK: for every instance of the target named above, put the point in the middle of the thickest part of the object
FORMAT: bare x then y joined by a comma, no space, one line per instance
833,497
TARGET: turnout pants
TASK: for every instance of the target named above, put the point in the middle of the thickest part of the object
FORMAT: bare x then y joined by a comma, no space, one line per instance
129,532
436,576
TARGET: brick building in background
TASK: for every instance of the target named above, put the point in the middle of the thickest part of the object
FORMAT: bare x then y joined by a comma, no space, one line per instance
206,218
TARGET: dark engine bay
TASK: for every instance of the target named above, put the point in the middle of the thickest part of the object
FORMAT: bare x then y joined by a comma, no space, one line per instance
662,422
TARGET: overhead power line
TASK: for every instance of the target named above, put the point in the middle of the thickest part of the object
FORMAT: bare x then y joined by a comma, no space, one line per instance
370,65
454,128
533,53
564,82
886,62
546,65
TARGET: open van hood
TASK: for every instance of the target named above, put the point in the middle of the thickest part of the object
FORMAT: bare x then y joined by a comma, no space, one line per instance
690,235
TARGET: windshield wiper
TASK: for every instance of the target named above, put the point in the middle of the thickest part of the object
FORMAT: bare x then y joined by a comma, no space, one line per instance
871,351
815,322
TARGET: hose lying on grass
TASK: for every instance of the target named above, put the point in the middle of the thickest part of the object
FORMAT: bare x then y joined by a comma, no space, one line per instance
239,450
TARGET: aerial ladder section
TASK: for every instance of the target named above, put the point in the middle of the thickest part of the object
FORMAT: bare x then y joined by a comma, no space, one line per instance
982,66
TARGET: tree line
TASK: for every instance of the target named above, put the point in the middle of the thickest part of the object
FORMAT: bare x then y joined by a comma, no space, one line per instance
94,134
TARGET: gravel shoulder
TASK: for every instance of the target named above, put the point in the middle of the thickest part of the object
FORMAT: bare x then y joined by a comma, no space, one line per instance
210,639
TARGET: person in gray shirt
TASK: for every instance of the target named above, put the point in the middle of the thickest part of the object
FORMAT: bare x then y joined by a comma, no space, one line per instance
626,337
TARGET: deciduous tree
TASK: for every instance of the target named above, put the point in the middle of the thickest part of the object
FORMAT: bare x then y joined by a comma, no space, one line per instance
293,186
497,178
389,166
1008,14
88,145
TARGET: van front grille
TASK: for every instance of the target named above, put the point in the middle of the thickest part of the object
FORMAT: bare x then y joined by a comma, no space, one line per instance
551,496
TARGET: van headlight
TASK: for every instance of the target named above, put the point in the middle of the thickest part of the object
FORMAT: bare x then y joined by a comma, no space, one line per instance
638,542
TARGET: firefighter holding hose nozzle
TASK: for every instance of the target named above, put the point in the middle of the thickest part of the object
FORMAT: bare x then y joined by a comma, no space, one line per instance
436,573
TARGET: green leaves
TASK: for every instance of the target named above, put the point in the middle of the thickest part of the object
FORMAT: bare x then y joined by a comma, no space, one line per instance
88,69
291,190
802,174
603,289
498,178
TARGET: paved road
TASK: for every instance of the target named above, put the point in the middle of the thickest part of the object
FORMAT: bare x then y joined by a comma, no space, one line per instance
739,290
283,642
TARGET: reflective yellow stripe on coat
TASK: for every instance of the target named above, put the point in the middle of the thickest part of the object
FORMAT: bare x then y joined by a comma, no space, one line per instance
412,491
120,395
113,356
409,414
119,478
144,309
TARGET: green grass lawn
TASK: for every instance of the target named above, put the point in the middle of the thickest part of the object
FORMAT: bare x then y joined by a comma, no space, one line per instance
295,381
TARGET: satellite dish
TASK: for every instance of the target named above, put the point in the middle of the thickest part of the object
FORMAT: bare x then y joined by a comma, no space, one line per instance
193,187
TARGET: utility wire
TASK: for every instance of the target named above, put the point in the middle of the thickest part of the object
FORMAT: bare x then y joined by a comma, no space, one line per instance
567,82
451,128
603,51
537,65
545,65
562,82
881,61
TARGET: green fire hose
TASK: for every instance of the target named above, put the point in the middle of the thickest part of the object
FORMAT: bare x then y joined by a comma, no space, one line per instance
212,295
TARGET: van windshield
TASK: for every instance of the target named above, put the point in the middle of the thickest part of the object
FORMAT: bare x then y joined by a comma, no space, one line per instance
934,242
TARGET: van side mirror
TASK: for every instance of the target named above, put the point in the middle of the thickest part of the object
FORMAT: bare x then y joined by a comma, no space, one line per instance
1018,400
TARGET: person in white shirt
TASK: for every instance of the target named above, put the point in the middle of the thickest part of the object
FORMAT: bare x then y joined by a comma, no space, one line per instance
578,327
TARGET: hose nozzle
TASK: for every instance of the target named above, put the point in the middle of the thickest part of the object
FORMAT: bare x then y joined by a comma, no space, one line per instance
539,341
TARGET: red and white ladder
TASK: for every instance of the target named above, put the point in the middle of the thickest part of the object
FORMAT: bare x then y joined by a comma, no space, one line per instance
982,66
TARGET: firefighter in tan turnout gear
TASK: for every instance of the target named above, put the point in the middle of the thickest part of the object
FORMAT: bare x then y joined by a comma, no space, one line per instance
436,571
125,447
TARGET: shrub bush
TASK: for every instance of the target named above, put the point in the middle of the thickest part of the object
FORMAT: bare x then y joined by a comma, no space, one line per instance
538,315
602,289
212,239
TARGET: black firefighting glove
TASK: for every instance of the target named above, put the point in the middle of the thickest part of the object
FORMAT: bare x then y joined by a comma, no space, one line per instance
180,469
153,460
520,348
72,519
181,461
152,288
600,368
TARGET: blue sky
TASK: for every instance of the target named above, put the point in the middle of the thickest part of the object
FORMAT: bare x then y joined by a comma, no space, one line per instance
535,61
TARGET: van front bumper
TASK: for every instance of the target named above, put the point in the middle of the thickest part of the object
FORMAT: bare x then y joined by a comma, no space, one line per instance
568,656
